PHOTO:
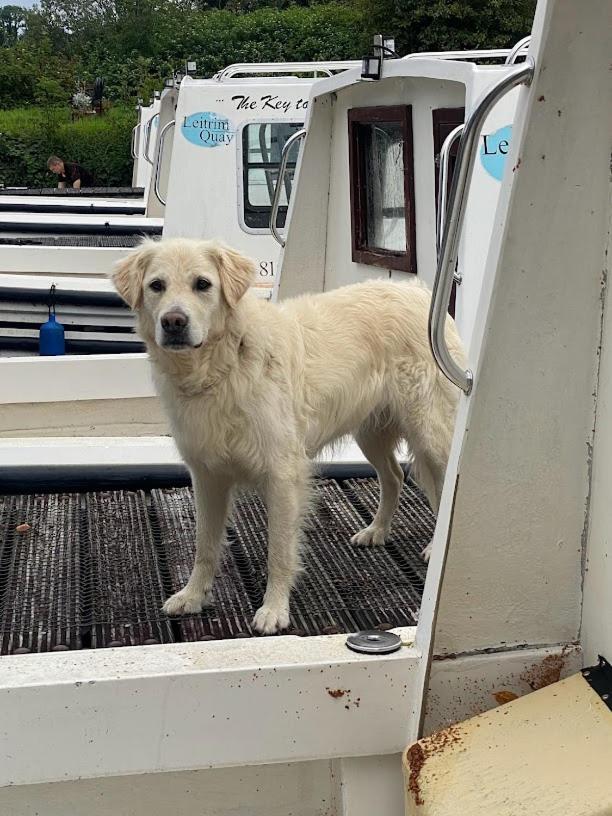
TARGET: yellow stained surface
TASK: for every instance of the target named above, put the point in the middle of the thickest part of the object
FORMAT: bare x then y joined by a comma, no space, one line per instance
544,754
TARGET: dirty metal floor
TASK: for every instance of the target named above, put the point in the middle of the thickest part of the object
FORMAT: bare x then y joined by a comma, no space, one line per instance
121,241
70,192
93,569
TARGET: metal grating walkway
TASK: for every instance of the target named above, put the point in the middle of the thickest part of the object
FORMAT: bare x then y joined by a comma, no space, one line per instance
93,569
119,241
70,192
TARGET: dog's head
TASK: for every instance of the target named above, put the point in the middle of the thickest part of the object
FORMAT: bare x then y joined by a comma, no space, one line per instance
182,290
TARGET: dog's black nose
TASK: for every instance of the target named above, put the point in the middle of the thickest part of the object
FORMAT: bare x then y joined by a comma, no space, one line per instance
174,322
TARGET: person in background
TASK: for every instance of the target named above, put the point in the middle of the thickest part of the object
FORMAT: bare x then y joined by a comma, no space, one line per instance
70,174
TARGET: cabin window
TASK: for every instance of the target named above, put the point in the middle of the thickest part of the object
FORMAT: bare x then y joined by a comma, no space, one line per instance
262,145
381,166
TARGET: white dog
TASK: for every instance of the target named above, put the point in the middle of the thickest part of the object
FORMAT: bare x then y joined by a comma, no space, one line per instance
253,390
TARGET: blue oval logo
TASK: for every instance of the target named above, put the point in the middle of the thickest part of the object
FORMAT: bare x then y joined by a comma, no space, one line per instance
494,150
208,129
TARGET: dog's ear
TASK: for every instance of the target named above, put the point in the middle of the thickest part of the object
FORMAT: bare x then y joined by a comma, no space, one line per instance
236,272
128,274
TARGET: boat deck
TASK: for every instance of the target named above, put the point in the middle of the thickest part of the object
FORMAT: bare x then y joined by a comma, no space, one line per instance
66,240
92,570
70,192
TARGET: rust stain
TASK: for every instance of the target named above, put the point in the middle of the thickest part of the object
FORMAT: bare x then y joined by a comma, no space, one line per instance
504,696
23,528
337,694
418,754
517,165
546,672
416,760
542,98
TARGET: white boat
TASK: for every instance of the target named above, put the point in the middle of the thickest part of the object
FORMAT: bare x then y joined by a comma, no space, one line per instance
518,591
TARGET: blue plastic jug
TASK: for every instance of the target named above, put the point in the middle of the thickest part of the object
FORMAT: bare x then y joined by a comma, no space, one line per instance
51,342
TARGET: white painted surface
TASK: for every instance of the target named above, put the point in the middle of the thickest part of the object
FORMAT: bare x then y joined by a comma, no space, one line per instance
205,191
27,282
317,254
75,377
44,203
513,572
167,112
187,706
296,789
287,789
117,451
41,260
369,785
461,687
596,632
28,452
141,176
547,754
59,220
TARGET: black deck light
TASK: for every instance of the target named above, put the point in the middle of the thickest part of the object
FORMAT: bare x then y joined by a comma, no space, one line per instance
370,67
372,64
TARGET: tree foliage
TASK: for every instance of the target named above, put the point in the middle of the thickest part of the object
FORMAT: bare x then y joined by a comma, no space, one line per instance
134,44
449,25
61,46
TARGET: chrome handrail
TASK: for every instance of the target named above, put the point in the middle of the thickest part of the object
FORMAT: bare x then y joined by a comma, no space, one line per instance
160,151
517,49
519,75
149,127
282,169
443,185
324,67
133,141
474,54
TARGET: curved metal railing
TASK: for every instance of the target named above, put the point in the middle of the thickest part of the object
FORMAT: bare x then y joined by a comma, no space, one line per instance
133,150
147,145
326,68
282,169
519,75
158,163
517,50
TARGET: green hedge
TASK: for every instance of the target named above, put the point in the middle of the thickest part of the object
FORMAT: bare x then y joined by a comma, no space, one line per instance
28,136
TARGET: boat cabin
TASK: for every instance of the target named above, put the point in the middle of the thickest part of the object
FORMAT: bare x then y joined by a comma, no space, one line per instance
106,706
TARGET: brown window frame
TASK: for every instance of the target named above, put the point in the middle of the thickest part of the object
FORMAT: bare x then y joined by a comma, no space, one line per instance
445,120
362,253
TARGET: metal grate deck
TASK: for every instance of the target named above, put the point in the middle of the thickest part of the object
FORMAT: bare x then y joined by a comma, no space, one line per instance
93,569
70,192
121,241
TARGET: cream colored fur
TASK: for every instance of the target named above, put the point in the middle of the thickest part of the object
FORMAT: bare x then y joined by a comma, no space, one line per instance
262,388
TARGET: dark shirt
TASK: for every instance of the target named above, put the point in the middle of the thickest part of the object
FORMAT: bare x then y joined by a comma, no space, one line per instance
73,172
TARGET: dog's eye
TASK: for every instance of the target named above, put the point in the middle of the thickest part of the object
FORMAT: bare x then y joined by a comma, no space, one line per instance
202,284
157,285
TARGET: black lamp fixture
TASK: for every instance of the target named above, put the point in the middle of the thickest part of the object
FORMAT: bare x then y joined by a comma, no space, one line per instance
191,67
372,64
371,67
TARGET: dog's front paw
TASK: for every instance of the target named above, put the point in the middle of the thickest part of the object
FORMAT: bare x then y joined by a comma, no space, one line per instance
426,553
185,602
369,537
271,619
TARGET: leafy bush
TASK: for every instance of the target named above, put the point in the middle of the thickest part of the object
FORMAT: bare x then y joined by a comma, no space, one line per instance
100,143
